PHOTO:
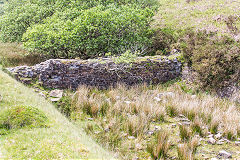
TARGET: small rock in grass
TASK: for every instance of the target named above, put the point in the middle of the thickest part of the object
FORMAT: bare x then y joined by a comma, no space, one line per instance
56,93
150,133
90,119
157,99
220,143
139,146
131,137
211,141
224,154
210,136
55,99
174,125
181,116
184,120
42,94
237,143
193,96
157,127
127,102
218,136
185,123
214,159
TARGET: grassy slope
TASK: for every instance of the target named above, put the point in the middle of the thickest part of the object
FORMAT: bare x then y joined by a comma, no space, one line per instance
202,14
61,140
12,54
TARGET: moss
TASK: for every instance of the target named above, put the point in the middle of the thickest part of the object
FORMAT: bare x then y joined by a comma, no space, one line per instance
22,116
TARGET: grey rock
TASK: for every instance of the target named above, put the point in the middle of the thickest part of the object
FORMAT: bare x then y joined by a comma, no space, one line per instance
211,141
131,137
237,143
150,133
224,154
218,136
56,93
55,99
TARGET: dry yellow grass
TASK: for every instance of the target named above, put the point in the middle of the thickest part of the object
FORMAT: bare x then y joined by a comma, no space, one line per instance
134,111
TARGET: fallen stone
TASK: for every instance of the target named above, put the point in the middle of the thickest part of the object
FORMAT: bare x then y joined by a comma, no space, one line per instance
157,99
55,99
219,143
224,154
56,93
131,137
237,143
127,102
139,146
211,141
150,133
218,136
42,94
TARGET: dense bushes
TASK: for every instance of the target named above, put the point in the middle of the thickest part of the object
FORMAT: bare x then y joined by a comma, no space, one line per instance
79,28
94,32
19,15
216,60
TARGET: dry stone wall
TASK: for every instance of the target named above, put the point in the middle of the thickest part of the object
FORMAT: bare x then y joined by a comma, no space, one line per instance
102,73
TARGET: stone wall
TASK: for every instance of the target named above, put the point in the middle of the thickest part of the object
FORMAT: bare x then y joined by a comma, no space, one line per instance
102,73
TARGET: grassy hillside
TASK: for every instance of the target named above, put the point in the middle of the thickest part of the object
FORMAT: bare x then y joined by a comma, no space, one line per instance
200,14
61,140
12,54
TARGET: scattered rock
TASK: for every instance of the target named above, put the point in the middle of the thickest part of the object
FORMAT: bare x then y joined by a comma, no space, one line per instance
211,141
157,99
181,116
107,129
136,158
237,143
185,123
224,154
210,136
139,146
131,137
127,102
57,93
55,99
214,159
42,94
218,136
157,127
193,96
220,142
150,133
184,120
174,125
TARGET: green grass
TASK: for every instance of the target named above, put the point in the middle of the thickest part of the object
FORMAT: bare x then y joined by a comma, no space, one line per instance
61,140
12,54
202,14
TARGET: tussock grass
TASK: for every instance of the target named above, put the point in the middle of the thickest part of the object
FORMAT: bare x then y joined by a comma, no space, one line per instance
121,115
61,140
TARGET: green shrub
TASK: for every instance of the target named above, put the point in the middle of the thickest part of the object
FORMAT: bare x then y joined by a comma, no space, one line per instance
22,116
94,32
214,59
162,40
21,14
